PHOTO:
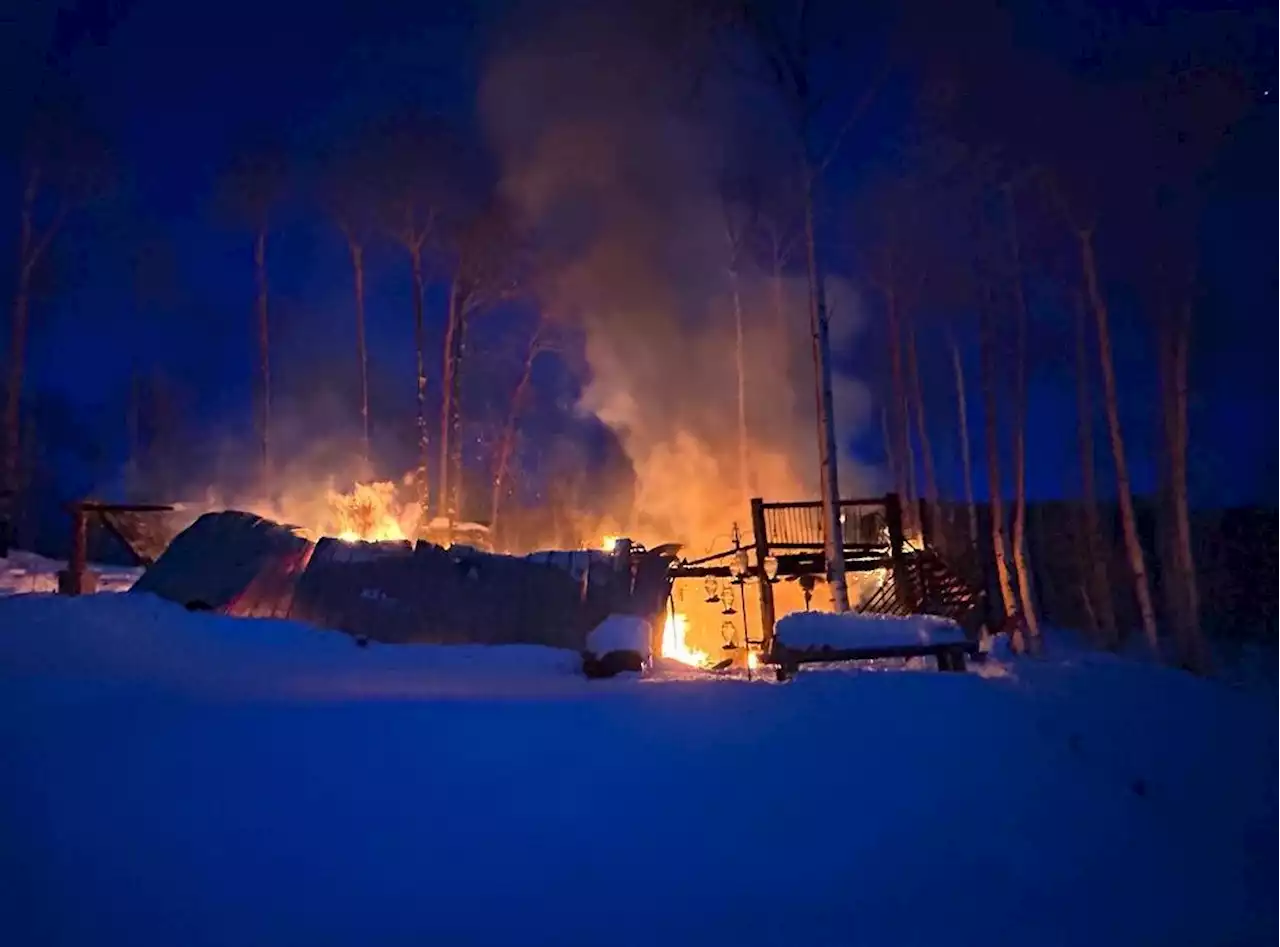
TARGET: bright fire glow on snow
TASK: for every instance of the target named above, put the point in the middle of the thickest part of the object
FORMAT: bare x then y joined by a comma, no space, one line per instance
675,644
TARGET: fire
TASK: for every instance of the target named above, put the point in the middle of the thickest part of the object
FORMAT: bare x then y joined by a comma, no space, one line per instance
609,543
367,513
753,660
674,644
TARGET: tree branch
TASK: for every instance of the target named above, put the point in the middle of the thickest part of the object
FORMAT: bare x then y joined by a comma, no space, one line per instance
868,96
42,244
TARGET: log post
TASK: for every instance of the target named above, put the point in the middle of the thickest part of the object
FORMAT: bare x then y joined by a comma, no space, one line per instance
897,560
767,617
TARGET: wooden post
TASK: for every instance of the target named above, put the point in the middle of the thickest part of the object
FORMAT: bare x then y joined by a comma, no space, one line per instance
898,561
767,617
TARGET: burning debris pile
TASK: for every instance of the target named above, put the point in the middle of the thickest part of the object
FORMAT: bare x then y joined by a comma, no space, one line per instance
240,564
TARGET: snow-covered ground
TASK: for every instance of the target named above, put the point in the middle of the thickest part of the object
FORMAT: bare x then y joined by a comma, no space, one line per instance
22,572
175,778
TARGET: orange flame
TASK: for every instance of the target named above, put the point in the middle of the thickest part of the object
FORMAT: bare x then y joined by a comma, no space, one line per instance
675,644
367,513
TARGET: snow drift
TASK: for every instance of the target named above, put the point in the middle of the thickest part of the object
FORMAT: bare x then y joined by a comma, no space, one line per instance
187,778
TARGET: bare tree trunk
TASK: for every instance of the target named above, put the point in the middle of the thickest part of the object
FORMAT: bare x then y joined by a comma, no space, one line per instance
357,266
1025,591
133,424
999,543
455,498
922,429
27,253
449,354
1098,582
507,445
965,454
264,351
1128,516
17,360
891,457
827,444
419,340
905,471
745,488
779,302
1194,652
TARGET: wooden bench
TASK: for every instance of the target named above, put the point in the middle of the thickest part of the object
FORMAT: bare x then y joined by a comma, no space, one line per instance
950,655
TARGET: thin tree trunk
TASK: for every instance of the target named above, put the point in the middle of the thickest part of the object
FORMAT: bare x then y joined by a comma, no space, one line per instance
827,443
1128,516
357,266
999,543
419,340
264,351
1025,591
779,303
905,472
1195,654
449,355
965,454
1098,578
456,498
17,359
507,445
133,468
740,364
18,336
922,429
890,457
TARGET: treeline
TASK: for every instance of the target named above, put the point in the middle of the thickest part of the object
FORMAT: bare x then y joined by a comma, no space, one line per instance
1022,199
986,201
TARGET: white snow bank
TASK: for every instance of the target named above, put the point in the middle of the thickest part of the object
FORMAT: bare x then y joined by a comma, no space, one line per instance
804,630
620,633
1070,804
24,572
141,637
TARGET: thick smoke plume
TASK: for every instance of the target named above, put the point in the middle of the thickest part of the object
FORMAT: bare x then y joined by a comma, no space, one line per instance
619,164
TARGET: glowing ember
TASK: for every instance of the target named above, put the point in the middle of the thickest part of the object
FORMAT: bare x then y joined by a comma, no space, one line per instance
753,660
609,542
367,513
674,645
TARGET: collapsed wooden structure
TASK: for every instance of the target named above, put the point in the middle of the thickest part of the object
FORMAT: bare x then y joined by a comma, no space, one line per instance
396,592
787,544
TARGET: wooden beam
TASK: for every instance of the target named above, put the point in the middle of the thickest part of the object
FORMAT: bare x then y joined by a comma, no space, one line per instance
767,617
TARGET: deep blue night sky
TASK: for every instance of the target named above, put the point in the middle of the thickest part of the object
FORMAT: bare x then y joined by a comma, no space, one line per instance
178,86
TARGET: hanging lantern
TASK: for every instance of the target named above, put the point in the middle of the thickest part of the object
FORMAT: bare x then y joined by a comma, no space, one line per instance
712,587
727,597
771,568
728,633
739,565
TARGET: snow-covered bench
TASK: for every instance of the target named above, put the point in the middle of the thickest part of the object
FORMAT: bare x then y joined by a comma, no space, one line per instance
811,637
619,643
